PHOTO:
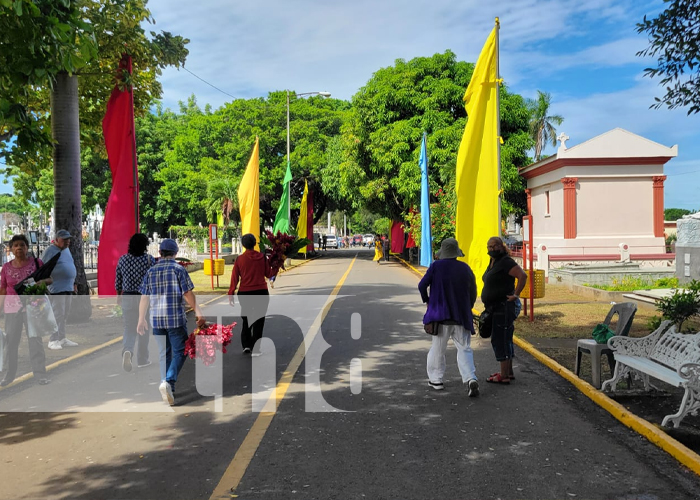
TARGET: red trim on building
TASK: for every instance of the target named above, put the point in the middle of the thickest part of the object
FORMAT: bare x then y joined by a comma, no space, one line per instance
652,256
528,192
658,198
613,256
589,162
569,207
593,256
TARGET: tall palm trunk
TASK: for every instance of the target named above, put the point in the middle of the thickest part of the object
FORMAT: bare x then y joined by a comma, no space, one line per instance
65,128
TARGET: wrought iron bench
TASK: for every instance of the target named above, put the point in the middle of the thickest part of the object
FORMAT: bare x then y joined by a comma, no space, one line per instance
665,355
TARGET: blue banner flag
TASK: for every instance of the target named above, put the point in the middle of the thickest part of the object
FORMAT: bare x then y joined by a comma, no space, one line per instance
426,237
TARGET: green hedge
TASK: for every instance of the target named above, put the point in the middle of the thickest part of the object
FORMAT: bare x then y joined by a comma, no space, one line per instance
201,233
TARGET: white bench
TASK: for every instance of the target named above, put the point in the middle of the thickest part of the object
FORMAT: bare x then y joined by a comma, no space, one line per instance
665,355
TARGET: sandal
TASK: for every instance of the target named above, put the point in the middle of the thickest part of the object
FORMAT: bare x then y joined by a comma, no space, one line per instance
497,379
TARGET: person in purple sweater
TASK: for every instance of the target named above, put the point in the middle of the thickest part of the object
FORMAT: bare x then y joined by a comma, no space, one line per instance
452,296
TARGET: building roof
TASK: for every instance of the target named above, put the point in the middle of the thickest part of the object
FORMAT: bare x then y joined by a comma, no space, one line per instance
615,147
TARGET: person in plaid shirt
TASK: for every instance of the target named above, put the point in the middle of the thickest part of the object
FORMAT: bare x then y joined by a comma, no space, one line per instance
164,287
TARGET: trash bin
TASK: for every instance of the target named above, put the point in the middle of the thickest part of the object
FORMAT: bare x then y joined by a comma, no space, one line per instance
217,269
538,281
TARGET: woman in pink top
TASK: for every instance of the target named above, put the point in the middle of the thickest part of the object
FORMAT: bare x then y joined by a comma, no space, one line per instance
12,273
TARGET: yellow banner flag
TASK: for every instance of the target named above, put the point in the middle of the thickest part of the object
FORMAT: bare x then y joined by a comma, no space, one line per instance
249,195
302,231
477,163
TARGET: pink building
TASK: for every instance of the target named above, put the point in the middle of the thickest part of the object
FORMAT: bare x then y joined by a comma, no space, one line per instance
594,199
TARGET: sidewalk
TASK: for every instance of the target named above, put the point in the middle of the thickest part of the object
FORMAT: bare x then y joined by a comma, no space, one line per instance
100,329
104,327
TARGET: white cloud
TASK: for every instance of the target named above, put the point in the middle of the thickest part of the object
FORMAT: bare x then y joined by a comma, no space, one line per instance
250,48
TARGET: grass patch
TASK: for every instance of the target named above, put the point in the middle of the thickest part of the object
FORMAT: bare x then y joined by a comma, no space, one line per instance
564,314
202,282
631,283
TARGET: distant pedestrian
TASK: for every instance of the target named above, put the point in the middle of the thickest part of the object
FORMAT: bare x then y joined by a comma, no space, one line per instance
324,240
14,272
502,304
131,269
164,287
386,247
450,301
378,254
62,287
248,277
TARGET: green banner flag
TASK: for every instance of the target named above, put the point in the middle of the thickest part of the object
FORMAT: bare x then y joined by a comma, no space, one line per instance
282,218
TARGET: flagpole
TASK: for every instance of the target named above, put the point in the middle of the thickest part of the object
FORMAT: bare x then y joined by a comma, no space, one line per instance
289,163
133,166
498,126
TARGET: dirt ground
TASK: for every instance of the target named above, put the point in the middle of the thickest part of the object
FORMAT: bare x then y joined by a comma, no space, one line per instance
562,317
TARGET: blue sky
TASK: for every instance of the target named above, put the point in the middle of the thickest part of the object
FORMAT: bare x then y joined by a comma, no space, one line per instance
582,52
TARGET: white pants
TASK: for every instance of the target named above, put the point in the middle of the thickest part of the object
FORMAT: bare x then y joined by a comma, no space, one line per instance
465,356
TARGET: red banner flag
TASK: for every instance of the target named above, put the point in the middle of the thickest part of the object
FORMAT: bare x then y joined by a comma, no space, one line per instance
121,214
397,236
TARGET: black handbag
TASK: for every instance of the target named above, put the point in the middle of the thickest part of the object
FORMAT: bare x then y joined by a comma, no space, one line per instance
484,323
41,273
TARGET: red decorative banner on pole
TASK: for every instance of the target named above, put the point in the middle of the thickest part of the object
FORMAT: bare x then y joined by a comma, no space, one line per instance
121,215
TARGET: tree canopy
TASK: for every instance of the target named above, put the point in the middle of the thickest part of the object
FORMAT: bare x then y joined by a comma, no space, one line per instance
674,40
673,214
374,162
87,38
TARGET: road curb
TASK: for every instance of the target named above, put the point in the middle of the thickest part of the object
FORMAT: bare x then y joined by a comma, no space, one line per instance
656,436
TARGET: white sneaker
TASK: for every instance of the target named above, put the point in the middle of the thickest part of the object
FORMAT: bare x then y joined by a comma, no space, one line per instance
55,344
68,343
438,386
472,388
126,361
167,392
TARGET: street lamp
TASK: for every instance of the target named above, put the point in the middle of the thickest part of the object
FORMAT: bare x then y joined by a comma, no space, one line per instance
322,94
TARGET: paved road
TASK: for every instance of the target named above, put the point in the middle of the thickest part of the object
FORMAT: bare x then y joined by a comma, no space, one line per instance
537,438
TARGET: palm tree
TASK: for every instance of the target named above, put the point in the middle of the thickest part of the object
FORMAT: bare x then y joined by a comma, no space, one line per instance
541,125
65,128
223,197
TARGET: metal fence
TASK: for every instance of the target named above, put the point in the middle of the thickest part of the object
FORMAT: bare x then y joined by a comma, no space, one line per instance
89,253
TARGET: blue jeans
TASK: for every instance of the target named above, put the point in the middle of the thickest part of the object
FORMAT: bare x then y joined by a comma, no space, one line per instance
130,314
171,346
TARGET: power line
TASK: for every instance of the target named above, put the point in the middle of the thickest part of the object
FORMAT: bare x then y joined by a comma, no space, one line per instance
213,86
683,173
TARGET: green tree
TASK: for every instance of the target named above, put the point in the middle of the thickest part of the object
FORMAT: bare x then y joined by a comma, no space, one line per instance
373,164
13,204
96,35
213,145
674,40
676,213
542,124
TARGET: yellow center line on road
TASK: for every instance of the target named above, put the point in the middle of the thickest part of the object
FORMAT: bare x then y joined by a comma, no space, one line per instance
234,472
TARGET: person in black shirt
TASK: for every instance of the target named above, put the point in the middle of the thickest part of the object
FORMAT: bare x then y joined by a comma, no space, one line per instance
131,268
502,302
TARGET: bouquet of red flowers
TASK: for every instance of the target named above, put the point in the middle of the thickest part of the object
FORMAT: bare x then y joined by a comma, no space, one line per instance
278,246
210,338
